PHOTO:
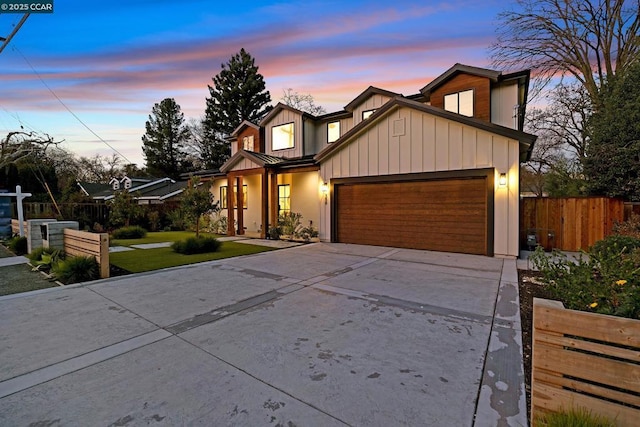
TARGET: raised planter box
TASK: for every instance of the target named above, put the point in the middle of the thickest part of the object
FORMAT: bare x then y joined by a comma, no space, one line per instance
585,360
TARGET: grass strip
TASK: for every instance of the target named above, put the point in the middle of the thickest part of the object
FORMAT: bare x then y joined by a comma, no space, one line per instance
158,237
140,260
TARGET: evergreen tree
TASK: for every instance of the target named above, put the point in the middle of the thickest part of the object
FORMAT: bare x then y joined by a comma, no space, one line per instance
164,140
238,93
613,155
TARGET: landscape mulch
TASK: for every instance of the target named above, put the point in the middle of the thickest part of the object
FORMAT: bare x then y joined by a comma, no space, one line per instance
530,288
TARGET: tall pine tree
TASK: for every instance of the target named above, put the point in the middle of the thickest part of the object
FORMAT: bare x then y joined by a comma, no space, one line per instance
165,139
238,93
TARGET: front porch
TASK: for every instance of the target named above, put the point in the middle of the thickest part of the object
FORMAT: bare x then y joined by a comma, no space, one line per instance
258,188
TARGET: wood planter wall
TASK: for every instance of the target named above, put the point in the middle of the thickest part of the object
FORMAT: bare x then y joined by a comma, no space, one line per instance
82,243
585,360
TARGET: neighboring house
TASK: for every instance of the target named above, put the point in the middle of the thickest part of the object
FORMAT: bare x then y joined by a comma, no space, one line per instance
145,190
437,170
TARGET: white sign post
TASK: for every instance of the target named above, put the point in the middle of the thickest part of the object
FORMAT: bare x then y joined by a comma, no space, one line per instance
19,195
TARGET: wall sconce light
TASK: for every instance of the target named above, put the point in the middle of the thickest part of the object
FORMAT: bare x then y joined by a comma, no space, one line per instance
503,180
324,189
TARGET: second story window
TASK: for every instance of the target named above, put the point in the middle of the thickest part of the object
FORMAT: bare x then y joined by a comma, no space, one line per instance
247,143
282,137
460,102
366,114
333,131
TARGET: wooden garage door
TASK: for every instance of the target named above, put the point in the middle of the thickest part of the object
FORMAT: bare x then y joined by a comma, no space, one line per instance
440,215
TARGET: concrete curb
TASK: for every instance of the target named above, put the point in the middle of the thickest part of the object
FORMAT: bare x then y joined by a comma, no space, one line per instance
13,260
502,400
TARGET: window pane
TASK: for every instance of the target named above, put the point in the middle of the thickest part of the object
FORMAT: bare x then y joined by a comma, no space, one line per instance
284,198
466,103
223,197
247,143
451,102
245,194
333,131
367,114
282,137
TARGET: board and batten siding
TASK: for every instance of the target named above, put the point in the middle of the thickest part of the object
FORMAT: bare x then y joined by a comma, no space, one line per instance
409,141
504,101
244,164
373,102
283,117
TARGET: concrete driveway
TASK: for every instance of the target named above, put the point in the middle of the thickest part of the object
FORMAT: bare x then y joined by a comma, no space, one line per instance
317,335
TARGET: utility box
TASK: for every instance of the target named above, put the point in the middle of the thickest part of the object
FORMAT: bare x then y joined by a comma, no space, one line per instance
34,233
5,215
53,233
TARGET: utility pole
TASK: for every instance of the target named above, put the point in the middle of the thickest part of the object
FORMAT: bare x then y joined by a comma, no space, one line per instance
5,41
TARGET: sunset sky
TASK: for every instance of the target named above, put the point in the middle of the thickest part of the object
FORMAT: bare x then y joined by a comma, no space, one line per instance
110,62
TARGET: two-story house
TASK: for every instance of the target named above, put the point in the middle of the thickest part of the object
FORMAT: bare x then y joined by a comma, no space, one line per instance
435,170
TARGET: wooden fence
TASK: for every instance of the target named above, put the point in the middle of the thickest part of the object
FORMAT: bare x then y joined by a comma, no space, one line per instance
585,360
84,243
568,224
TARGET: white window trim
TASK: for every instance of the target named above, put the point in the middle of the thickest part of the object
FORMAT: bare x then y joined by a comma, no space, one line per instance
293,139
329,140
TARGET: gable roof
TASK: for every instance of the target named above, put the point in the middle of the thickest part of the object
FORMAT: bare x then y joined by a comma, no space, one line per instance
95,190
458,69
260,159
371,90
153,188
161,190
526,140
279,107
244,124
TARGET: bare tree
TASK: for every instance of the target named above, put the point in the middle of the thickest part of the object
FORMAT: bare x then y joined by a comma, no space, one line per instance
19,144
564,120
546,153
589,39
301,101
99,168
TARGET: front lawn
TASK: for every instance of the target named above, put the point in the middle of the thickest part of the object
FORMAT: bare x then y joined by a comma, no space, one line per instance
158,237
140,260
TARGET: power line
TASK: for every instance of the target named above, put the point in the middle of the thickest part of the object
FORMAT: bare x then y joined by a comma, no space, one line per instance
5,41
68,109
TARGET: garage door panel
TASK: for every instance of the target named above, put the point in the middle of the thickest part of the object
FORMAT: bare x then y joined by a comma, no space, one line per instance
443,215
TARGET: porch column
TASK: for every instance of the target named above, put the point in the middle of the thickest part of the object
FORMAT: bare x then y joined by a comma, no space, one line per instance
265,204
274,199
231,230
240,198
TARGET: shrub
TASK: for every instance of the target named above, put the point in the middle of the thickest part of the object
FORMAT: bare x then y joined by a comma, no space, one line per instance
178,220
274,233
307,233
219,224
132,232
605,280
290,223
573,418
77,269
18,245
45,258
153,217
615,245
196,245
630,227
